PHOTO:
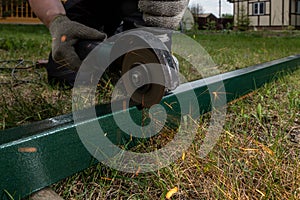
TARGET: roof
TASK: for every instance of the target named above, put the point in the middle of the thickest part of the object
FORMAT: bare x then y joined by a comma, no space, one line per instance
205,15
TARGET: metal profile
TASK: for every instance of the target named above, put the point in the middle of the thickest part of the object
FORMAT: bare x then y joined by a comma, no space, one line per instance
37,155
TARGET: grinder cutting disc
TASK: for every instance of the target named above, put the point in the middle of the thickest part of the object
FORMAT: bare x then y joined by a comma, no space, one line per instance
141,79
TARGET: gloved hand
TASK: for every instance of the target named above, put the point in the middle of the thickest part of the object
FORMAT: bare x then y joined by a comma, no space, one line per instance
163,13
65,33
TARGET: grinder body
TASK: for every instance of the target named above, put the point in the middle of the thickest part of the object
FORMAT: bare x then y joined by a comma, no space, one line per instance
143,49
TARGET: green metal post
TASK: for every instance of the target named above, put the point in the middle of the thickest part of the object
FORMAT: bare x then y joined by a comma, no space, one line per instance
37,155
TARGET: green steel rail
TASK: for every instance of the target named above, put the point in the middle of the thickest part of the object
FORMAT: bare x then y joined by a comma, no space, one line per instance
37,155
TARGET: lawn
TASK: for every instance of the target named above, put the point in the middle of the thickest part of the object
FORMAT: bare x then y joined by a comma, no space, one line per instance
257,156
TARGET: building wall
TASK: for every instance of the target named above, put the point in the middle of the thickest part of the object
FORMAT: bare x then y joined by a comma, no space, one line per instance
286,13
295,14
239,8
203,21
280,13
260,20
295,20
277,13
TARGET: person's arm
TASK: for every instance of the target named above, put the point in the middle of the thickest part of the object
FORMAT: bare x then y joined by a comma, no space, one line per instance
163,13
47,10
65,32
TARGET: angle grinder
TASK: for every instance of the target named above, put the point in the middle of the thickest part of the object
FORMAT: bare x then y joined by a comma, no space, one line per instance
151,70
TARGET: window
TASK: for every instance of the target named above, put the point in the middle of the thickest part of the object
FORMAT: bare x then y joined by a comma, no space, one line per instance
298,7
259,8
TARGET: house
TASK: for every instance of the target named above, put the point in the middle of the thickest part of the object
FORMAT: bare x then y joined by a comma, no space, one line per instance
268,14
207,21
17,12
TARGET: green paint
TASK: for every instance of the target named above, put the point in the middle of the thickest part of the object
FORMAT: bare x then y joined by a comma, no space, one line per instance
40,154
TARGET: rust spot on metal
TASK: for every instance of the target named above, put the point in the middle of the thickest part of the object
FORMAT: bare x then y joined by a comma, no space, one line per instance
143,100
124,105
63,38
27,149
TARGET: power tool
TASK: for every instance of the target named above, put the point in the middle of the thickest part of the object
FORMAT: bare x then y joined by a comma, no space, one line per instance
148,49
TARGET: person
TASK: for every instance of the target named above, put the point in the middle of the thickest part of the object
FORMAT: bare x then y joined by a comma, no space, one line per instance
77,20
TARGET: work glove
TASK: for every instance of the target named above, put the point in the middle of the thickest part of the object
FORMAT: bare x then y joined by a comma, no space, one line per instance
65,34
163,13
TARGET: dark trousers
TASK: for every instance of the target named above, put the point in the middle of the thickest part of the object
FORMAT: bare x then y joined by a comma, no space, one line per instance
108,16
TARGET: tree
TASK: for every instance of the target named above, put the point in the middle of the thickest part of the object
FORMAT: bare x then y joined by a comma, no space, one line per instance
243,20
196,9
227,16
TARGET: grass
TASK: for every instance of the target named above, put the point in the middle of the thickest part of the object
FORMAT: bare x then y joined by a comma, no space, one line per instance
28,42
257,156
254,158
239,50
231,51
27,102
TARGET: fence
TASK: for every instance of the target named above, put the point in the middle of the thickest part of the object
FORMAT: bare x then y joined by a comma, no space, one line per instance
17,11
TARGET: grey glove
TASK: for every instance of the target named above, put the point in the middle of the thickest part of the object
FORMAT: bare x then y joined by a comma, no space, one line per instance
163,13
65,33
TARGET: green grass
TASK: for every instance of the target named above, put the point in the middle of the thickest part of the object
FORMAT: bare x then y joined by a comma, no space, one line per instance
238,50
27,42
235,50
20,102
254,158
257,156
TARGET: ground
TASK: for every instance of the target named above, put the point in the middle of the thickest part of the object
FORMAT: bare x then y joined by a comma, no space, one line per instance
257,157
